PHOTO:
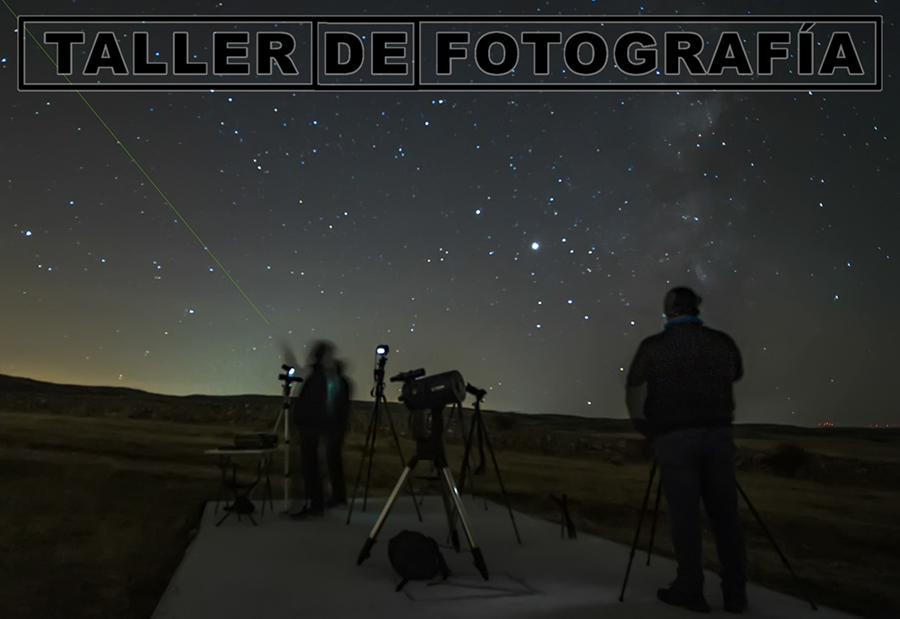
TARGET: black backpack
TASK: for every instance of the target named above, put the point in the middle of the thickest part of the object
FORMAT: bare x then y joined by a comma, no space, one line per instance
416,557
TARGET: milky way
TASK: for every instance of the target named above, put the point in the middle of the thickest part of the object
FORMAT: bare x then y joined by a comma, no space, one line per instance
524,239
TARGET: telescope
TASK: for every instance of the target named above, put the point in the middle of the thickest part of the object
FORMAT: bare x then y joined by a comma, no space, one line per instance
434,392
426,398
406,376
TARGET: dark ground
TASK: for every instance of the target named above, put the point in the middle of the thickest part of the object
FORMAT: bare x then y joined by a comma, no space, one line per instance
102,490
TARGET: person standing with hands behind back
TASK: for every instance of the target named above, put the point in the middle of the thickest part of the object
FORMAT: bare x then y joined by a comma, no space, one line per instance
679,394
309,416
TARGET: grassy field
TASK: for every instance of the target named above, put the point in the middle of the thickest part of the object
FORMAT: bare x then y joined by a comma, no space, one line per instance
98,511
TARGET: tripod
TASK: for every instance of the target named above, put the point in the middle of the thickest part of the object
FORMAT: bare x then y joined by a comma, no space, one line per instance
483,437
288,379
371,435
432,449
653,531
456,412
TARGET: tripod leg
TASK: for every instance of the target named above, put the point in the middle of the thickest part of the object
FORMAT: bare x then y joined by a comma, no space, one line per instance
371,455
487,439
467,441
278,422
451,513
775,545
291,461
454,495
287,459
467,455
482,433
412,491
223,488
638,530
362,463
653,526
227,513
465,462
562,520
479,470
269,482
370,541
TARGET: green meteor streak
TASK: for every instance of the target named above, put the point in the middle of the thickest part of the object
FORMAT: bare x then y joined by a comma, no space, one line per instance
147,176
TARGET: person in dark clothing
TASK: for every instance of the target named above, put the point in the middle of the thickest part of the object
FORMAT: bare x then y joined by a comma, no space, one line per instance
309,413
339,411
679,394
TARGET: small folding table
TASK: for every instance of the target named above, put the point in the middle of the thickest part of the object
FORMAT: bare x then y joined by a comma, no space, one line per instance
240,491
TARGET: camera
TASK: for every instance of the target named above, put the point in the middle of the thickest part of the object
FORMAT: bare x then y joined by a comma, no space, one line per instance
289,374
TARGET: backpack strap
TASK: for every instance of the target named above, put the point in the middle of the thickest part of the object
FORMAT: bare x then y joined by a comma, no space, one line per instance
442,563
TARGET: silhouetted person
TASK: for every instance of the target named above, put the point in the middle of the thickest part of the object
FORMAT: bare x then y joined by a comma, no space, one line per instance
309,413
679,394
339,411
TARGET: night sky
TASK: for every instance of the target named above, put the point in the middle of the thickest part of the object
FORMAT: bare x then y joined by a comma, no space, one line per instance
524,239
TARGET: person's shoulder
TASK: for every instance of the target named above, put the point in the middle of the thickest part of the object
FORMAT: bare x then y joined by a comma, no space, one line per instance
720,335
715,332
653,340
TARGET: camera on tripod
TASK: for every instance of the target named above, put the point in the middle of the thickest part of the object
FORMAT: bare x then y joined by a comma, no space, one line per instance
381,352
289,374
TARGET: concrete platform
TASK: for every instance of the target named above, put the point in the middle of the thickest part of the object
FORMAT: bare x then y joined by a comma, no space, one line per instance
307,569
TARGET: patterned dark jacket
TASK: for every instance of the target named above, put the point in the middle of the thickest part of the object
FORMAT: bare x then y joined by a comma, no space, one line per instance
688,370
